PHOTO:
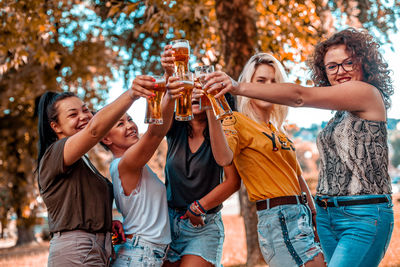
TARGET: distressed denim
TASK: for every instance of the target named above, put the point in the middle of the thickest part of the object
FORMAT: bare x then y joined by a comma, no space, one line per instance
205,241
137,252
286,235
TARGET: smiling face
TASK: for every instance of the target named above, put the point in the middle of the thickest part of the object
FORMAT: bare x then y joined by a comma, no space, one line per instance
337,54
264,74
73,116
122,135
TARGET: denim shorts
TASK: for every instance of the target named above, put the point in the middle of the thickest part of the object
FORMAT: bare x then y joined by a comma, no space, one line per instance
137,252
286,235
205,241
355,235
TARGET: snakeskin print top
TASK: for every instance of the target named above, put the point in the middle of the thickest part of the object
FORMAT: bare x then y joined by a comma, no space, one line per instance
354,157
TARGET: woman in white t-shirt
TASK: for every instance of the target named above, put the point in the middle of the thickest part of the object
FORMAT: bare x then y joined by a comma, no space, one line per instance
139,194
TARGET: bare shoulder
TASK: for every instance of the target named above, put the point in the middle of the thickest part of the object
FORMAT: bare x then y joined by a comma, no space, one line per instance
371,100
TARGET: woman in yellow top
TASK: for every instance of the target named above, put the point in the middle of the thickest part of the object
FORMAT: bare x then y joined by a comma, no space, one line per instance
266,161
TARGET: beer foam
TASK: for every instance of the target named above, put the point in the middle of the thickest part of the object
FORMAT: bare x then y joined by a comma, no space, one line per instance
160,80
187,82
180,45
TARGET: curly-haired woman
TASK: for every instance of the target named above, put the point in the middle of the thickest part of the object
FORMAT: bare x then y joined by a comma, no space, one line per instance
354,211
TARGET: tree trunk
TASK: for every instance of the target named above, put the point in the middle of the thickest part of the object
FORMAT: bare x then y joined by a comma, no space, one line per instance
25,226
2,230
25,234
248,211
238,33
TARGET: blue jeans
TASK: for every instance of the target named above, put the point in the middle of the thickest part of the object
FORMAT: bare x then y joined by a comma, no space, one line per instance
205,241
286,235
356,235
137,252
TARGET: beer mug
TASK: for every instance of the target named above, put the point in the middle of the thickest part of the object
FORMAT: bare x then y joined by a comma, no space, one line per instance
219,105
182,51
153,104
183,104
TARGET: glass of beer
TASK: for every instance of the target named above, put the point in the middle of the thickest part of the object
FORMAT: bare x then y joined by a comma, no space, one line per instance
182,51
153,106
219,105
183,104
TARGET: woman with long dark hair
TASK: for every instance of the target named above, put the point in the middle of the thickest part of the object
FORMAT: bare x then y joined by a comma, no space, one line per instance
197,150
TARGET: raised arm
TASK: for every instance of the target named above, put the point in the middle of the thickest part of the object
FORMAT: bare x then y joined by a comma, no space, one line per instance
140,153
81,142
222,153
133,160
344,96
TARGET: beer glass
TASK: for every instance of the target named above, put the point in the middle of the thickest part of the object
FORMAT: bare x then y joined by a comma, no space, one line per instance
182,51
153,106
204,103
219,105
183,104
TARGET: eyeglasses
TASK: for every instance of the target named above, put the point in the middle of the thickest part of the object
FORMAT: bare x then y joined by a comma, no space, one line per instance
333,68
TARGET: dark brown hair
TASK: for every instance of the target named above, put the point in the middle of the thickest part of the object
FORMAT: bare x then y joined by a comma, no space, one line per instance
363,49
48,112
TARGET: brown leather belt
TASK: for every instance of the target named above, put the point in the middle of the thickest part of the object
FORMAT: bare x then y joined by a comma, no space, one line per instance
277,201
130,236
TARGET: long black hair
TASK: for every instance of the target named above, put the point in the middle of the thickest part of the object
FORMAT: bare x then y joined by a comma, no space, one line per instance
47,112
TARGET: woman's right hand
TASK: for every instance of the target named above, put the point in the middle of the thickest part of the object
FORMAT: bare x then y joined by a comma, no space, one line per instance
167,60
174,88
141,87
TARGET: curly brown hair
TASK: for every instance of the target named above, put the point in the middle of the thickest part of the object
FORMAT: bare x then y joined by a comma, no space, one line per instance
364,49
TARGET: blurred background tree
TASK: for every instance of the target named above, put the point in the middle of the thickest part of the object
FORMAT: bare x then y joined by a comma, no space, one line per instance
81,45
44,45
395,142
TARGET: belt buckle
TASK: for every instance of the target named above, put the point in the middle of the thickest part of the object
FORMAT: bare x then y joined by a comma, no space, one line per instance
325,201
304,197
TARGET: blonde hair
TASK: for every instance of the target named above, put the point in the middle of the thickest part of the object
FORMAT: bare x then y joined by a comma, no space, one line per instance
279,112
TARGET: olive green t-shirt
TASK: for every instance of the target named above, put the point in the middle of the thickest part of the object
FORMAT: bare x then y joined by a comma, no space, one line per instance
77,197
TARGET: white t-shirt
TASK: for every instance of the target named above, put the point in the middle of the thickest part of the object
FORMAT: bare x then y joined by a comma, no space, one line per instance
145,210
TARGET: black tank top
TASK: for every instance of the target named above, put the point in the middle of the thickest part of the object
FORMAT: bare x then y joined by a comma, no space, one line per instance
189,176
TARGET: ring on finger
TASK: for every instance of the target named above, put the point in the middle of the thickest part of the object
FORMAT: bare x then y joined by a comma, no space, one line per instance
223,84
